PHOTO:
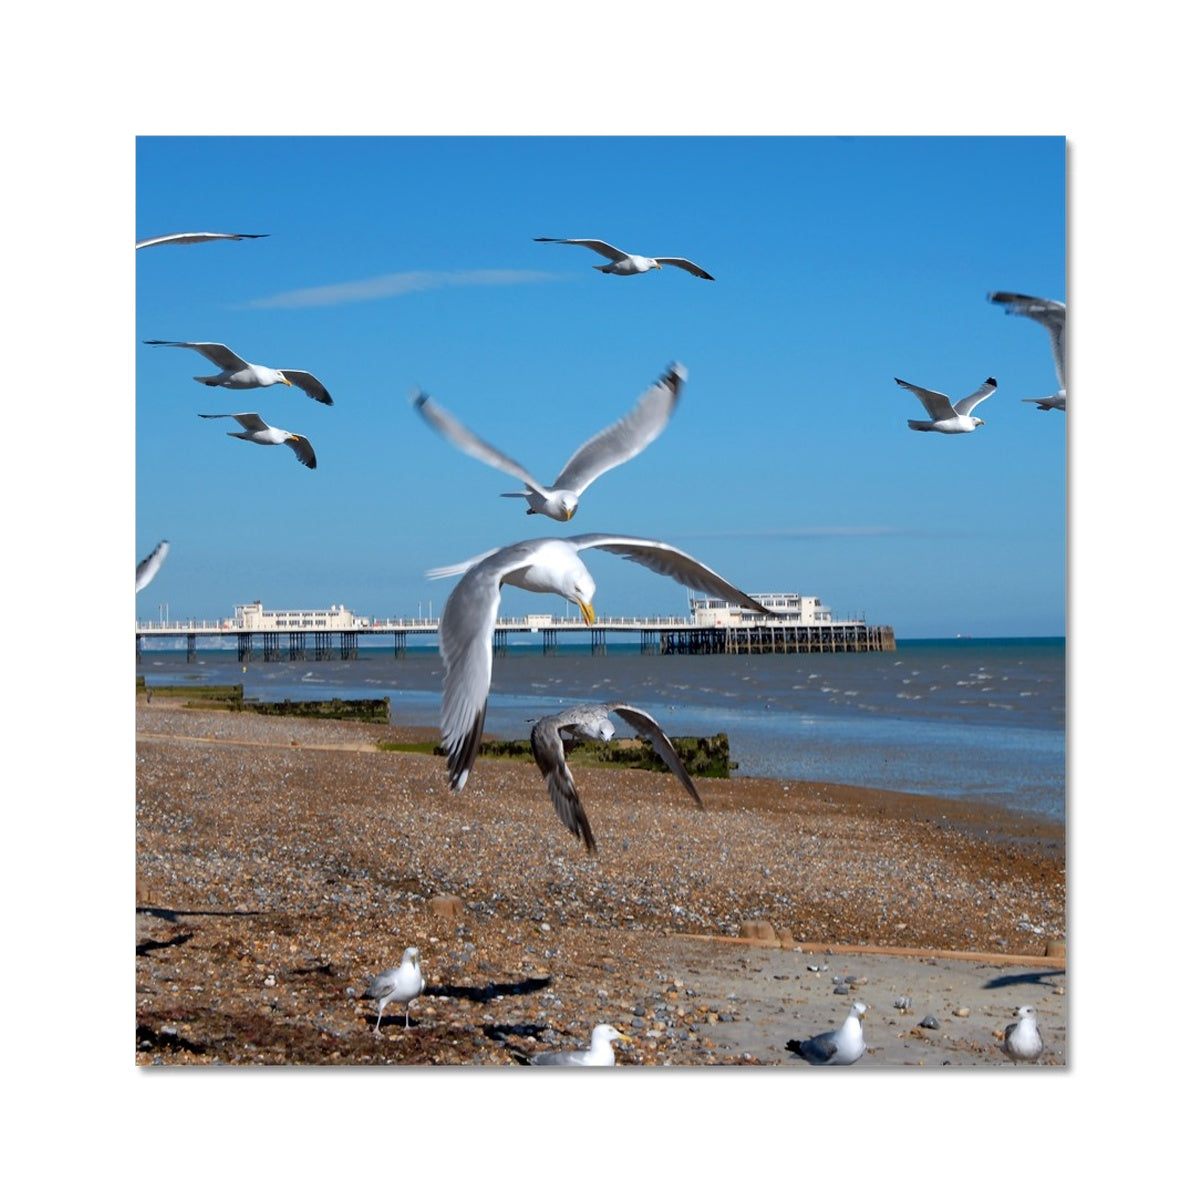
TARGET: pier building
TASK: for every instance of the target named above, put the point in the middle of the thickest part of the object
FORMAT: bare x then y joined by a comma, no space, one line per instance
797,625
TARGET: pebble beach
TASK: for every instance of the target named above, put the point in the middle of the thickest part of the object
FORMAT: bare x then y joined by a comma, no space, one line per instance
281,862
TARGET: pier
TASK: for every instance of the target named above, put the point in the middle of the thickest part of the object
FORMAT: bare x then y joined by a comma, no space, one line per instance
712,628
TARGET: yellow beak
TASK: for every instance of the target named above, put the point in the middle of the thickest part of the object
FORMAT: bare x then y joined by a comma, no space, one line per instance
287,381
589,613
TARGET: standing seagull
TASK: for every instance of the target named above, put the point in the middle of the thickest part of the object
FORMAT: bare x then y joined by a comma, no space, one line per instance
947,417
590,722
537,565
187,239
403,984
236,372
628,264
255,429
836,1047
1022,1040
598,1054
609,448
1052,315
148,567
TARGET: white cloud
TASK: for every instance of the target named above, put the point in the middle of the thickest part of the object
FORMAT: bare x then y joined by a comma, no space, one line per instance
381,287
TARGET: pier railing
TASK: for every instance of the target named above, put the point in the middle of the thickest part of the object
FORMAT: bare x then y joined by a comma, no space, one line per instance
658,635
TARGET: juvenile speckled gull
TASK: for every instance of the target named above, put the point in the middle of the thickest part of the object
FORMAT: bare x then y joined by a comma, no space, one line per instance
255,429
1052,316
148,567
590,721
609,448
598,1054
947,417
628,264
188,239
537,565
1022,1040
236,372
402,985
835,1047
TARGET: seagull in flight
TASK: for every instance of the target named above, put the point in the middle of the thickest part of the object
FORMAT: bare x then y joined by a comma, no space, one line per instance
236,372
537,565
589,722
947,417
609,448
188,239
1052,316
148,567
836,1047
628,264
255,429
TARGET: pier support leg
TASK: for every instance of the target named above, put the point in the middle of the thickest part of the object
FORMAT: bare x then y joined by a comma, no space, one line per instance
400,646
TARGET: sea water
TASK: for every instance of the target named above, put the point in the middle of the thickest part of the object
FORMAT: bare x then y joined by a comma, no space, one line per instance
970,719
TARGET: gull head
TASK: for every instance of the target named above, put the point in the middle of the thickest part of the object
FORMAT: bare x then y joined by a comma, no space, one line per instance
606,1033
978,421
1024,1011
412,955
280,377
858,1008
605,730
561,504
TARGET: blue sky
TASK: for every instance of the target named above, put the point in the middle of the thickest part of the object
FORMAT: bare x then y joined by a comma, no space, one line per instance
839,264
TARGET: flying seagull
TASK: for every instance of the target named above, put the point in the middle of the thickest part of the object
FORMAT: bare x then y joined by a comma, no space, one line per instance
627,264
402,984
598,1054
836,1047
590,722
148,567
1052,314
187,239
947,417
609,448
1022,1040
255,429
537,565
236,372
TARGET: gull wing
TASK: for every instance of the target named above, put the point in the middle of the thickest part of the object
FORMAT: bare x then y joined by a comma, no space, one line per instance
250,421
459,435
186,239
1050,314
148,567
686,264
560,1058
667,560
592,244
548,753
216,353
465,642
646,725
816,1050
627,437
303,450
985,389
936,405
309,384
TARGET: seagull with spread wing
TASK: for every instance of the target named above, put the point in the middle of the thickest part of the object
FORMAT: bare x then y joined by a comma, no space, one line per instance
255,429
537,565
947,417
609,448
236,372
1052,316
628,264
188,239
589,722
